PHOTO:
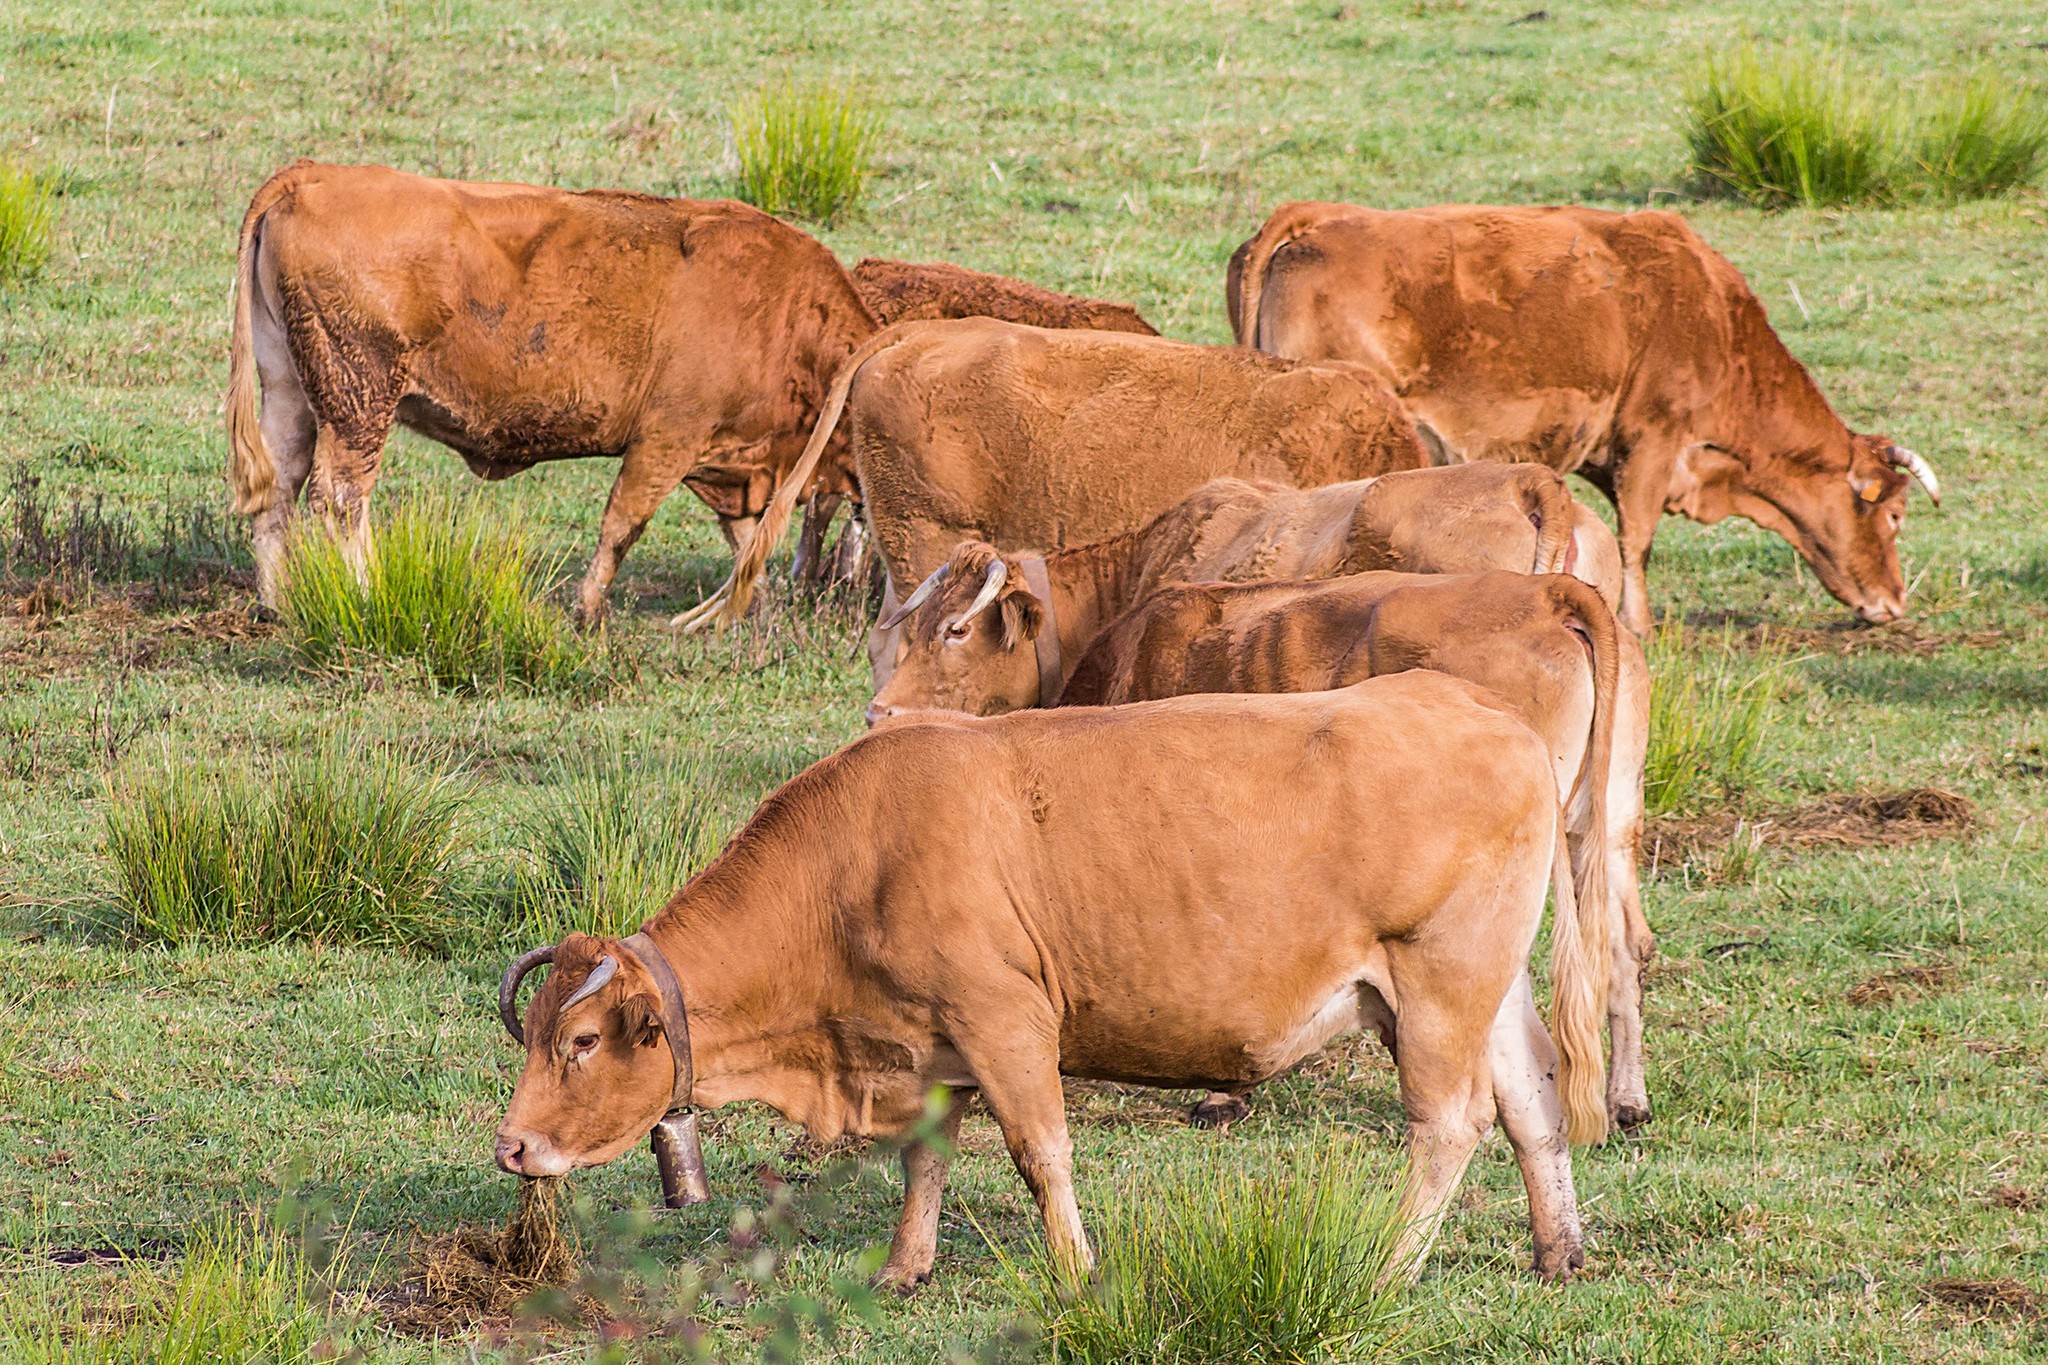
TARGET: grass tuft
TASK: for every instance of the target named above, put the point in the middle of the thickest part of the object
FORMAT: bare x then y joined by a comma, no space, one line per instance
241,1294
612,841
1709,711
28,222
454,584
805,149
346,844
1216,1265
1786,129
1986,138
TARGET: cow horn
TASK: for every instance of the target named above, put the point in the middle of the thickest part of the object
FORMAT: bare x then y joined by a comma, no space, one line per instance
917,599
1919,469
998,574
508,989
607,967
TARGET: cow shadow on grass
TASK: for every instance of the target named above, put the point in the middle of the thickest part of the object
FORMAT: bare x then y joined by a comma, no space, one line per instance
1946,681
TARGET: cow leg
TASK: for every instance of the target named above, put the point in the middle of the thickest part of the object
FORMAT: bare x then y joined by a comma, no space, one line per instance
1218,1109
1018,1072
344,471
811,565
1631,943
916,1246
736,530
851,562
649,472
290,434
1525,1093
1639,490
1447,1089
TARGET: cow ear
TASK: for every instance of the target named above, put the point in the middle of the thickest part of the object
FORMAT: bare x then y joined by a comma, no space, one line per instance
1023,615
641,1017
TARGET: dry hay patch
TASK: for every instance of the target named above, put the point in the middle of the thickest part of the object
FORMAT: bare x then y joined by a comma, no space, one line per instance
479,1277
1846,820
1903,983
1984,1298
1900,637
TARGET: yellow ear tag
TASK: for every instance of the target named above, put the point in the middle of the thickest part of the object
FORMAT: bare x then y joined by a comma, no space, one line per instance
1872,491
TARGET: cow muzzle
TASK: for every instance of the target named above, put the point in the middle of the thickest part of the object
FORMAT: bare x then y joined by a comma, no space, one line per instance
1881,611
529,1154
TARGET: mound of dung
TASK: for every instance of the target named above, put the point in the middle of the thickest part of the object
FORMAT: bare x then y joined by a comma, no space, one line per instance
475,1276
1847,820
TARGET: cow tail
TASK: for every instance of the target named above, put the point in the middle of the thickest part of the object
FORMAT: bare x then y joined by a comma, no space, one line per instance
1288,222
1581,929
1551,507
252,473
736,594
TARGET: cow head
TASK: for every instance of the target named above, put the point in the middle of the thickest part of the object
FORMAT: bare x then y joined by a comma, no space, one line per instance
1844,522
599,1074
967,635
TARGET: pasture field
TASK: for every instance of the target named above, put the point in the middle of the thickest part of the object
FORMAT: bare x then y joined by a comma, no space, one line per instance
1846,1043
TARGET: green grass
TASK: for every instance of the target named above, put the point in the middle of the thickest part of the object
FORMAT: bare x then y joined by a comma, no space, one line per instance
1986,137
1214,1265
344,844
611,839
456,585
28,222
1789,128
240,1294
1813,1164
805,149
1710,710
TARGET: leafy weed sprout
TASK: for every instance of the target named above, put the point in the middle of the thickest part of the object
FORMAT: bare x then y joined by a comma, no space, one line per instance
1709,711
805,149
28,222
455,585
1212,1264
613,840
345,844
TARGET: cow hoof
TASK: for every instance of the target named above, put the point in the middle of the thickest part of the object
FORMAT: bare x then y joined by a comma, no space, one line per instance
901,1281
1218,1111
263,614
1629,1116
1558,1265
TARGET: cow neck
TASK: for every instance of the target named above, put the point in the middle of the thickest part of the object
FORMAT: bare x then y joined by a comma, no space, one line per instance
1088,587
1046,643
675,1018
1770,407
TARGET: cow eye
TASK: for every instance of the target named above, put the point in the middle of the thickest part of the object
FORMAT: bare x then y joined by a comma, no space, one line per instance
584,1042
957,631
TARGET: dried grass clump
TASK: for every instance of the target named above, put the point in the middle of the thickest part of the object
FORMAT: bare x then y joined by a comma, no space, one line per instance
1850,820
1985,1298
480,1275
1885,987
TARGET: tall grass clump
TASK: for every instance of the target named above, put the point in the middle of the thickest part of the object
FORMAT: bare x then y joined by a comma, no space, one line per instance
1787,129
805,149
241,1295
1709,712
454,585
28,222
1983,138
612,839
1215,1265
345,844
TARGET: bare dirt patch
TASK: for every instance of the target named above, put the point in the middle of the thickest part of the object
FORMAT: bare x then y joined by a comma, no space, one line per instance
1848,820
2014,1197
1903,983
1985,1298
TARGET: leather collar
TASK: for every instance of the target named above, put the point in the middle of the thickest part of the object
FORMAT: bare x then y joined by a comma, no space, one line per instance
1047,642
675,1021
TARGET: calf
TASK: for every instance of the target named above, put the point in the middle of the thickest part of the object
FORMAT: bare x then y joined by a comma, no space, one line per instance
898,291
1056,894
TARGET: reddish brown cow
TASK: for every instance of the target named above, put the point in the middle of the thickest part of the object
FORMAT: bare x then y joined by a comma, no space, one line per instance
691,341
898,291
982,639
1029,436
1617,345
1059,893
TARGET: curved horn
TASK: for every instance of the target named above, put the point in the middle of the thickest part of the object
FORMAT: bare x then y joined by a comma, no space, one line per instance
508,989
1920,470
998,574
607,967
917,599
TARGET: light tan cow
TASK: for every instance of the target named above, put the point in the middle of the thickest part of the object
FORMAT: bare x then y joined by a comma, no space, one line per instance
1058,894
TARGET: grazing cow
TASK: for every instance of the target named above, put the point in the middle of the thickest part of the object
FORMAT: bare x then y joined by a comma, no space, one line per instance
898,291
691,341
1026,436
980,639
1058,894
1617,345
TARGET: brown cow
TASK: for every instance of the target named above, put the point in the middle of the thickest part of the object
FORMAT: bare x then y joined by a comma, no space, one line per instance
691,341
1058,893
898,291
1027,436
980,639
1617,345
